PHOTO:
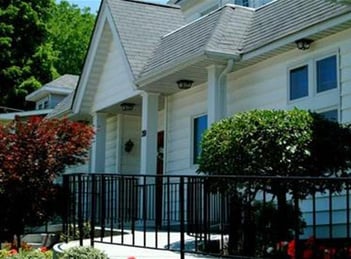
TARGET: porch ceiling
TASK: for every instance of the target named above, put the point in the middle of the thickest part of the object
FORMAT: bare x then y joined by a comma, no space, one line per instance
137,101
196,72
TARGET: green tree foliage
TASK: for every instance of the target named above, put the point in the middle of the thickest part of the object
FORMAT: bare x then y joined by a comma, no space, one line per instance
39,39
276,143
25,61
32,154
271,142
69,33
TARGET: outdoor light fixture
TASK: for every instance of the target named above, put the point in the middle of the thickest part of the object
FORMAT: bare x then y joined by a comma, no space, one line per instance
127,106
303,44
184,84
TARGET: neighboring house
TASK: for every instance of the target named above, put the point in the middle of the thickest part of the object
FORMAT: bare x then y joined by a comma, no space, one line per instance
154,79
46,97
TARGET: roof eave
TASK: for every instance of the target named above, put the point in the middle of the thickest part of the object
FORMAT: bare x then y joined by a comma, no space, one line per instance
292,37
160,72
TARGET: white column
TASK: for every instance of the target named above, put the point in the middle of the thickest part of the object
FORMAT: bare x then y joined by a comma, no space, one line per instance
216,94
149,126
99,144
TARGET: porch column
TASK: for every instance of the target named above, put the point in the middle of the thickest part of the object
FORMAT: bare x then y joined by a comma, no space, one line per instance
216,94
149,126
99,143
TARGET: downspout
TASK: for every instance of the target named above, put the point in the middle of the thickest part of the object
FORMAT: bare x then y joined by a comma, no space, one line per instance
228,69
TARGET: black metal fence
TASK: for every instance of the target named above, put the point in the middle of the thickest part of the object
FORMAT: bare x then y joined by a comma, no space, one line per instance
221,215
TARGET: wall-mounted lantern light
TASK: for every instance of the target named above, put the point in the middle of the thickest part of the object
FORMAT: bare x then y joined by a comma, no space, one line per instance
128,146
184,84
127,106
303,44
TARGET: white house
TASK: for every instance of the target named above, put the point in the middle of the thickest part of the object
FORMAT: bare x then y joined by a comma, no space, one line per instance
156,77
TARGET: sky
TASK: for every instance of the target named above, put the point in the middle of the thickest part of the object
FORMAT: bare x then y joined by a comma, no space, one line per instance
94,4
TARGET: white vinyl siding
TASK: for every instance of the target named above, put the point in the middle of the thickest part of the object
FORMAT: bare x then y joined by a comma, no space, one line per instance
111,142
182,108
130,162
115,84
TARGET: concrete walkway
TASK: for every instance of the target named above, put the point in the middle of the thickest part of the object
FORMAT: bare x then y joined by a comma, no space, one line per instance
128,252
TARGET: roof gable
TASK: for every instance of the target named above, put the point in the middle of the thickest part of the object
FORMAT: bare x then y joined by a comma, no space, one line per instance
140,26
221,31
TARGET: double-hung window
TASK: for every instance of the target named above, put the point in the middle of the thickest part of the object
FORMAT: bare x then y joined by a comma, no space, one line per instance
199,127
298,82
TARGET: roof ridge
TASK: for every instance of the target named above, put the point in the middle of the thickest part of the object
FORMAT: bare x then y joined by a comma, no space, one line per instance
155,4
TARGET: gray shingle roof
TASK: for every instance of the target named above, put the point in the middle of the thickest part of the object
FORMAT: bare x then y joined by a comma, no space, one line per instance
284,17
140,26
66,81
236,30
220,31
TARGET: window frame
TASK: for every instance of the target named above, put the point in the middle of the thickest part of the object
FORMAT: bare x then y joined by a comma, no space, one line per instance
308,81
319,58
329,109
311,62
193,156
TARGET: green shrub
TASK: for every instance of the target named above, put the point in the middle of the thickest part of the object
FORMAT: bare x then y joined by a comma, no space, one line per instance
83,252
25,254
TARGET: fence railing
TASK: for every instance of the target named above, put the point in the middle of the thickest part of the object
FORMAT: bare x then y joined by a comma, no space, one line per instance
221,215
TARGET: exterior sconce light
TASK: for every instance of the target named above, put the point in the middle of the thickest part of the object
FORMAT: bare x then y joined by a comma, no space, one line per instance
303,44
128,146
184,84
127,106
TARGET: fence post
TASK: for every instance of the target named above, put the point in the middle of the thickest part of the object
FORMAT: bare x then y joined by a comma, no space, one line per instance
298,251
93,209
66,210
80,210
182,223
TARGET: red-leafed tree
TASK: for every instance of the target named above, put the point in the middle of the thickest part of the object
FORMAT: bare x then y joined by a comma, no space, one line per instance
32,154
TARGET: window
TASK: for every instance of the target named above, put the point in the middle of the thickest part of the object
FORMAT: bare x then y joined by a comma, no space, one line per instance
314,77
200,125
46,104
298,82
326,74
330,115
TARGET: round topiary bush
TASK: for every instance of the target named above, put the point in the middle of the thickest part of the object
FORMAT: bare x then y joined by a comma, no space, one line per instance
83,252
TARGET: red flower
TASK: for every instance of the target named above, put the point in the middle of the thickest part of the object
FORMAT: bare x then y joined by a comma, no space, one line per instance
43,249
291,249
13,252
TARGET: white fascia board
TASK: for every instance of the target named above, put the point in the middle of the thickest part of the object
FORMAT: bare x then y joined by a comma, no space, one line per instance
88,65
295,36
45,91
12,115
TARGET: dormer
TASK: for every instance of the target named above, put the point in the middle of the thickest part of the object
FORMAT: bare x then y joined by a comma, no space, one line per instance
195,9
52,93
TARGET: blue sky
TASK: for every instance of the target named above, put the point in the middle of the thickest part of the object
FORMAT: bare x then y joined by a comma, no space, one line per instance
94,4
